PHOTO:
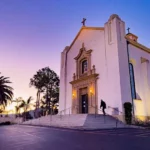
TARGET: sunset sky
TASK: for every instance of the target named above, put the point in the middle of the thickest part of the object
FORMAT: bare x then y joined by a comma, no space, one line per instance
34,32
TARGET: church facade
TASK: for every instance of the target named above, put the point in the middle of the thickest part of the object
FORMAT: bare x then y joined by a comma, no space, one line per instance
105,63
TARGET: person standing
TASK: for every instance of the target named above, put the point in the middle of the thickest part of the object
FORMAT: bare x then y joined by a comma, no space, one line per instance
103,106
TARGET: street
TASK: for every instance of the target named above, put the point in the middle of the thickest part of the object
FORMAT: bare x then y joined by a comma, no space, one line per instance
19,137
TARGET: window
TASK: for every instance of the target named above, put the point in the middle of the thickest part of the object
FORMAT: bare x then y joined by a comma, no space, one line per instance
84,66
132,81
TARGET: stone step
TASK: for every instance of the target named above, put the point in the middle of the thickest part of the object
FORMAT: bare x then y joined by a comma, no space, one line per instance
77,120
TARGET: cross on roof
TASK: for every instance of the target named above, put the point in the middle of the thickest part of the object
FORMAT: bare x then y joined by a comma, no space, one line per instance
128,30
83,21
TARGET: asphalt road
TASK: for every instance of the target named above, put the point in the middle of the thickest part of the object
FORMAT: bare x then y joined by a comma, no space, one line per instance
42,138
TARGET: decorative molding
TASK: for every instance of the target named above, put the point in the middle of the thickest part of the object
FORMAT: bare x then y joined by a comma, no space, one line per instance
132,35
88,78
85,85
144,60
83,50
83,55
87,81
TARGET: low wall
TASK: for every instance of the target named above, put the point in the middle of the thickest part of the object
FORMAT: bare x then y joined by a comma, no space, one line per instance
11,119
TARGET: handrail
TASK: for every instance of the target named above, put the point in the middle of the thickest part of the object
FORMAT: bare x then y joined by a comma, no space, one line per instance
117,120
60,113
98,109
115,109
68,108
133,117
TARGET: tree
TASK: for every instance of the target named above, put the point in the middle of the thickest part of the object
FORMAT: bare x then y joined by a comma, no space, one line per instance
53,100
37,82
25,105
46,81
128,112
6,93
17,108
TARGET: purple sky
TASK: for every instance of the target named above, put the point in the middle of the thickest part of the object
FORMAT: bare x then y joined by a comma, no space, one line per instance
34,32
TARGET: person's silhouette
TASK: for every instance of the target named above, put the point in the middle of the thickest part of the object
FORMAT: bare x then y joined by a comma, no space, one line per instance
103,106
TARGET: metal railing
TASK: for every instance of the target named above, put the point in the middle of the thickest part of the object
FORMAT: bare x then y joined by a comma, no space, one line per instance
68,109
134,118
117,118
106,114
75,108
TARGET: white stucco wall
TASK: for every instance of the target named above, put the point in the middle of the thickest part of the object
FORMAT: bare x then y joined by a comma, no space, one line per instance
62,81
118,83
109,59
142,78
111,62
93,39
105,57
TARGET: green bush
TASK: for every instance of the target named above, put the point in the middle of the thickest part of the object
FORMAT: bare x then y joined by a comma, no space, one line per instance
5,123
128,112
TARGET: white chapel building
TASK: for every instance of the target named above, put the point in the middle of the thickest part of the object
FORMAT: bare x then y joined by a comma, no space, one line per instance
105,63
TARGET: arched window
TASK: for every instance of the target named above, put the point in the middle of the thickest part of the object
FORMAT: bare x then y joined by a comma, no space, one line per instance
84,66
132,81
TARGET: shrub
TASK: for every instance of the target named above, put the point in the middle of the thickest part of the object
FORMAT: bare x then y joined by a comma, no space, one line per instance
5,123
128,112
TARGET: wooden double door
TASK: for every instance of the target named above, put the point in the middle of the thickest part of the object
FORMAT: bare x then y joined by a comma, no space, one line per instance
84,103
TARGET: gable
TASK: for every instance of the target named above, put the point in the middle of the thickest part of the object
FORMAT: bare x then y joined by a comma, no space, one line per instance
80,32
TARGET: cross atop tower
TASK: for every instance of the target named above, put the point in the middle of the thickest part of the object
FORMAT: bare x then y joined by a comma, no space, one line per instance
83,21
128,30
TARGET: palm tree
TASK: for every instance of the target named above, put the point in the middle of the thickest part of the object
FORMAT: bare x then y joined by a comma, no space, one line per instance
17,108
26,105
6,93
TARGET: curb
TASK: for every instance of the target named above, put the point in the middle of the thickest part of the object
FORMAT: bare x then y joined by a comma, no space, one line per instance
81,128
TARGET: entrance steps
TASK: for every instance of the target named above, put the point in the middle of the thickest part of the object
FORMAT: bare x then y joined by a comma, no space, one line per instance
80,121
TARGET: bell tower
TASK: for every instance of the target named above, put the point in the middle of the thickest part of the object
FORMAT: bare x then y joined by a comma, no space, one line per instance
117,62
